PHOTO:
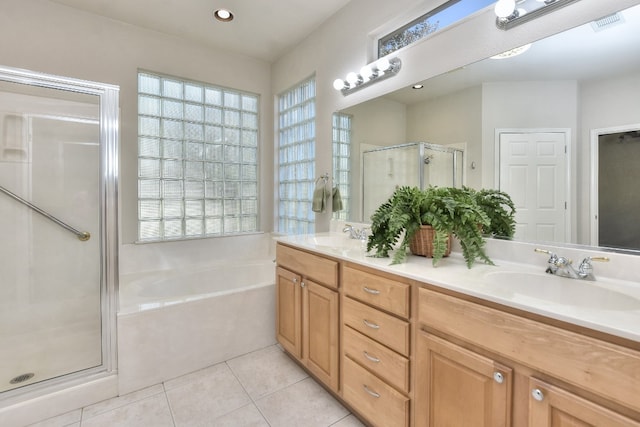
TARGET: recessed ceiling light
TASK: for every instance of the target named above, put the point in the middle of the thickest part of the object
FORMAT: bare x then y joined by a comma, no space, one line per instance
417,86
513,52
223,15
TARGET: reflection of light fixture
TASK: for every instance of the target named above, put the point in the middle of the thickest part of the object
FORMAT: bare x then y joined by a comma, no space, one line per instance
223,15
515,12
417,86
512,52
376,71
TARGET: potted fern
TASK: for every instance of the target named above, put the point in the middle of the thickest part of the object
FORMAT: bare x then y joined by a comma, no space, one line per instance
448,210
501,212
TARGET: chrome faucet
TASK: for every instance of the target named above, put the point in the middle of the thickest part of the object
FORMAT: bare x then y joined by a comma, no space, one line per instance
563,267
356,233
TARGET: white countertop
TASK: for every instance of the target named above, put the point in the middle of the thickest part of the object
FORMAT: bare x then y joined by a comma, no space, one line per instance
607,305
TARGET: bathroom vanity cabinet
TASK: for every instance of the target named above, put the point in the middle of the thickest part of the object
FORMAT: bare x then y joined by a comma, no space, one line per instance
403,352
307,311
376,345
482,366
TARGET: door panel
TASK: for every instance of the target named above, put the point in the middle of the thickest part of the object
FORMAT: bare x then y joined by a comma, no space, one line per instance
533,171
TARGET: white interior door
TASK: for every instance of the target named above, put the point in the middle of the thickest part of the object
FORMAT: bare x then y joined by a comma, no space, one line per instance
533,171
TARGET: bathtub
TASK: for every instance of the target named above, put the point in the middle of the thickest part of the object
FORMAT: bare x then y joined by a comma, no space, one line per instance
173,322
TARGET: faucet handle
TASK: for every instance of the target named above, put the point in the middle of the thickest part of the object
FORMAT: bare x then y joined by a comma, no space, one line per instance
585,270
553,258
596,258
543,251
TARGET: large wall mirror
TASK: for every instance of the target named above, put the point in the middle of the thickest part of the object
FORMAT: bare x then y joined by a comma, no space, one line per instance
556,124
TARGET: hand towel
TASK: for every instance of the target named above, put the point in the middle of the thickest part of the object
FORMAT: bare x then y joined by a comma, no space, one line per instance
336,199
317,205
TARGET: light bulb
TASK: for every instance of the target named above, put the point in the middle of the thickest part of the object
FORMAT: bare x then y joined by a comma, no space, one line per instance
338,84
366,72
505,8
383,64
353,78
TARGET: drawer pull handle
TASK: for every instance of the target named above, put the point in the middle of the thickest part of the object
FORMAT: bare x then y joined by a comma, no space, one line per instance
371,291
537,394
370,357
371,392
371,325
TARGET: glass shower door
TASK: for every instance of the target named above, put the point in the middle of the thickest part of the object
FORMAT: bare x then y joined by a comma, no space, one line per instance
51,291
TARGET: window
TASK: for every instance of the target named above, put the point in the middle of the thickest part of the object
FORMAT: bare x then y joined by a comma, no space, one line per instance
342,162
296,158
437,19
197,159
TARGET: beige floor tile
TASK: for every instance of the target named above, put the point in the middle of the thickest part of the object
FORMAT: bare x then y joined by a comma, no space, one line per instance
350,421
266,371
203,398
247,416
111,404
303,404
150,412
69,419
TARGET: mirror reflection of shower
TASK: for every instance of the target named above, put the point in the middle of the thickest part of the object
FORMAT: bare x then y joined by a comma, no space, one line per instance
418,164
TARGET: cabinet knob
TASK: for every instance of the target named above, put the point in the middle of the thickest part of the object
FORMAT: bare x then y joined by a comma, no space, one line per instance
498,377
302,285
537,394
295,280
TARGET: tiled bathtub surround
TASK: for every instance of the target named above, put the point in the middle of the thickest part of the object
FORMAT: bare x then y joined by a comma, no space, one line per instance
260,389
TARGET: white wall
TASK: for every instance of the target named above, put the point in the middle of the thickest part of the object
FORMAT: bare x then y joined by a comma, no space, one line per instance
43,36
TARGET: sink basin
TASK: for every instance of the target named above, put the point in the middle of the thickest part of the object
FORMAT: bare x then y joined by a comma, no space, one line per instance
559,290
335,242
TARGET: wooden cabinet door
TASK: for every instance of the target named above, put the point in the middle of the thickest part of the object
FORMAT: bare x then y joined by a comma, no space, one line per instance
457,387
320,332
551,406
289,311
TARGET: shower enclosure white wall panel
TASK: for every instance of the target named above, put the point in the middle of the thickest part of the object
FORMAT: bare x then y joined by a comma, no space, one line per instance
50,322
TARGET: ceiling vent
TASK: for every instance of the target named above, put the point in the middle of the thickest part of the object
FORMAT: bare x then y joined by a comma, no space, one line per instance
607,22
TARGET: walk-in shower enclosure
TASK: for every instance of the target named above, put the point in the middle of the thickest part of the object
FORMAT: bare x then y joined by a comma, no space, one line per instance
415,164
58,266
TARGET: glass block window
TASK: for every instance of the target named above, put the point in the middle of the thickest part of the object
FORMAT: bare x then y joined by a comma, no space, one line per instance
296,158
197,159
342,162
435,20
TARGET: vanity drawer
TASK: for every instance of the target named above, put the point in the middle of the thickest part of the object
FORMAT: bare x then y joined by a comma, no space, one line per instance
315,267
372,398
604,368
387,364
387,294
382,327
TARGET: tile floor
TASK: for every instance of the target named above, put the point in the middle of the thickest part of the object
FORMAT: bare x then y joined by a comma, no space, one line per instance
260,389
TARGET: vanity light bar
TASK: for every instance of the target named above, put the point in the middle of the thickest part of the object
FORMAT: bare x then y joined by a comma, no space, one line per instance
376,71
511,13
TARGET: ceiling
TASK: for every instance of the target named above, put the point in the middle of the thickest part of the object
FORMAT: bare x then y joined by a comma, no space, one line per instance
578,54
261,29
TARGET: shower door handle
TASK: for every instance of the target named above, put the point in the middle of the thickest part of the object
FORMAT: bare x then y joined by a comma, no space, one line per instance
81,235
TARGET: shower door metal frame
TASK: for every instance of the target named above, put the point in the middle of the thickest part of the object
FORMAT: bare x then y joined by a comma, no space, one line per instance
108,96
444,149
